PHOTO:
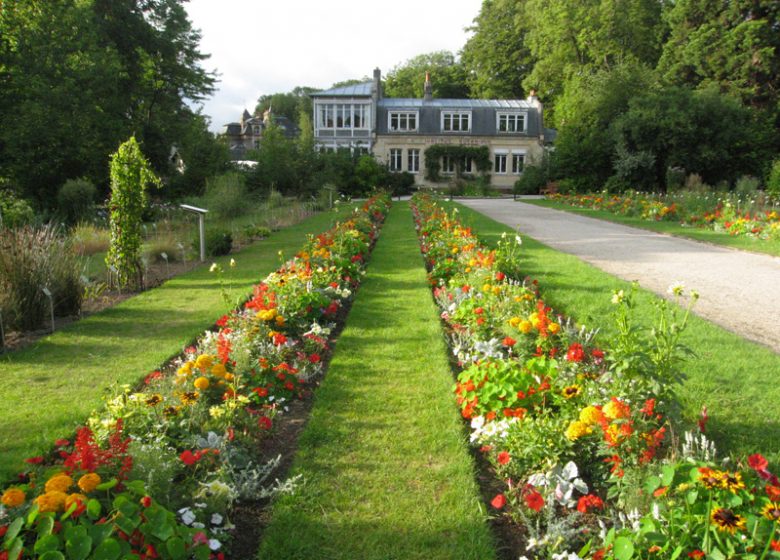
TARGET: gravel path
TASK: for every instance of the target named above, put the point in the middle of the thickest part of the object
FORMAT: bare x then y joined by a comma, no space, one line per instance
740,291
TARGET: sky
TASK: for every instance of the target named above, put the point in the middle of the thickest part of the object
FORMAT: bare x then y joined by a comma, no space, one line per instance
269,47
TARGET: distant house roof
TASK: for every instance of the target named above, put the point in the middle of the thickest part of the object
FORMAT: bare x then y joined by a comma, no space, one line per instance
357,90
410,103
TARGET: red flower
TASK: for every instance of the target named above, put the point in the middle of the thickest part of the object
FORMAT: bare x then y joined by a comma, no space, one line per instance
156,374
200,538
479,311
189,458
146,501
703,419
775,545
588,503
499,501
314,358
696,554
533,499
758,462
34,460
222,321
575,353
509,341
264,422
61,443
649,407
503,458
3,531
260,391
483,449
773,492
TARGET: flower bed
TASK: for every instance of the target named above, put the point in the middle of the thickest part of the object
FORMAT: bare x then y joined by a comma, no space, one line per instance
728,214
156,473
584,436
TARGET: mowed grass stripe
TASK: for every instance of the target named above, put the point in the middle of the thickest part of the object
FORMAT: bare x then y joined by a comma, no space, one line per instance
385,469
735,378
50,388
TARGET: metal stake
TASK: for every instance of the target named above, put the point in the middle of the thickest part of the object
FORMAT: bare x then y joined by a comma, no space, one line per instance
51,305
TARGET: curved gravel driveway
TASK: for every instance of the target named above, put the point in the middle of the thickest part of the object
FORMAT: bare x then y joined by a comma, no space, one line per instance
740,291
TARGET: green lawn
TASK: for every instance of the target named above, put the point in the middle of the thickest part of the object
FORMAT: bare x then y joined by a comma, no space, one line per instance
50,388
735,378
768,246
385,466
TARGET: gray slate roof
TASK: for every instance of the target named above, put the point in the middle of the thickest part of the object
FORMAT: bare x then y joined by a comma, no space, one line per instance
358,90
409,103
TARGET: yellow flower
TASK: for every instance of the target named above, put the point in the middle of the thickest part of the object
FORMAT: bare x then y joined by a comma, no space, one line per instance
615,409
571,391
279,321
772,512
185,370
89,482
553,328
534,319
59,483
525,327
455,250
13,497
51,501
514,322
201,383
154,400
577,429
204,362
267,314
218,370
190,398
590,415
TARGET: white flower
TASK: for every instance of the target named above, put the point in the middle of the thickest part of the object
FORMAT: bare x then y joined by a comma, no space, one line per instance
198,525
518,239
214,544
232,263
477,422
216,519
617,297
214,267
187,517
676,288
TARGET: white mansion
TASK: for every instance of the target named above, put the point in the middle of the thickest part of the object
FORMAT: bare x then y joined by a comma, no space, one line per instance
398,131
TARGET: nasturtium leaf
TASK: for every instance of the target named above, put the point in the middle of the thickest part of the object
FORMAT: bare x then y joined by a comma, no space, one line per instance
176,548
45,525
137,487
108,485
691,497
99,533
13,529
46,543
652,484
667,475
624,548
15,547
109,549
94,509
32,515
676,553
52,555
78,547
716,554
69,511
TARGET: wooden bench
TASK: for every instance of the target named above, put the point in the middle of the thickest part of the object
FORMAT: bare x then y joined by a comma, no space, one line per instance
549,188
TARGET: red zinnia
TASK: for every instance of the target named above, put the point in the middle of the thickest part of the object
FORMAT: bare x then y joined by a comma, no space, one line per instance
314,358
575,353
533,499
509,341
775,545
773,492
758,462
146,501
696,554
499,501
188,458
264,422
503,458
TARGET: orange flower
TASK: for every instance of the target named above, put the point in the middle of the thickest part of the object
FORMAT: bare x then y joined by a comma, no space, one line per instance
89,482
13,497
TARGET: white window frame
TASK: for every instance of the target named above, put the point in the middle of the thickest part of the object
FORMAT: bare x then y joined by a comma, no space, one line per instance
460,115
514,168
511,116
396,159
496,155
403,115
447,165
345,112
413,160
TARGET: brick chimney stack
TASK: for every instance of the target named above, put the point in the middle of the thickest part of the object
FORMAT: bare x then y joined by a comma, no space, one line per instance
376,87
428,88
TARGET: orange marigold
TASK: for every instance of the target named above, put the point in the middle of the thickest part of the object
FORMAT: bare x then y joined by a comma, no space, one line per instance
89,482
59,483
51,501
13,497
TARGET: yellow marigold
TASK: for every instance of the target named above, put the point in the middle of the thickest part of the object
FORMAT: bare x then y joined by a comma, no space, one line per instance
553,328
218,369
514,322
267,314
486,288
525,327
455,250
615,409
59,483
73,498
204,362
13,497
201,383
496,290
185,370
534,319
279,321
590,415
89,482
229,377
51,501
577,429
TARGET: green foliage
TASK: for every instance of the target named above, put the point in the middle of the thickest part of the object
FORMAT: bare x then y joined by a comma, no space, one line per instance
131,175
278,165
76,200
291,104
773,181
496,55
399,184
683,128
218,242
532,180
14,211
30,260
479,154
227,196
448,77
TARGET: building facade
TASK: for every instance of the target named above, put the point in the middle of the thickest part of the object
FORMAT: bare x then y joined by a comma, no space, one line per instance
245,135
399,131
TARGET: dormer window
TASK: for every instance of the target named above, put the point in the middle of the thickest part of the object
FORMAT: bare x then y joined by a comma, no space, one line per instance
256,130
402,121
456,121
511,122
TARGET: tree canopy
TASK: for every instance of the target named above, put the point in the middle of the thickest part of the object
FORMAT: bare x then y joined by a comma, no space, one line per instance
448,77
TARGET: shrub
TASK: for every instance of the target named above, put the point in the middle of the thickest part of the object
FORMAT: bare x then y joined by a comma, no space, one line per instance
226,195
275,199
31,259
533,179
773,181
76,200
400,183
747,185
163,244
218,242
88,240
14,212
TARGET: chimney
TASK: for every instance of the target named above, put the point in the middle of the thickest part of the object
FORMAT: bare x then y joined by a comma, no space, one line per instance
428,88
376,87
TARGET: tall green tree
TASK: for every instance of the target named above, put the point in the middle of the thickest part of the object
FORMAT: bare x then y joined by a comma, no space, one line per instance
289,104
733,45
448,77
496,57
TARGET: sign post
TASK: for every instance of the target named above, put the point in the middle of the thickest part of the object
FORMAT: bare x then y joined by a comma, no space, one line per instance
201,212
